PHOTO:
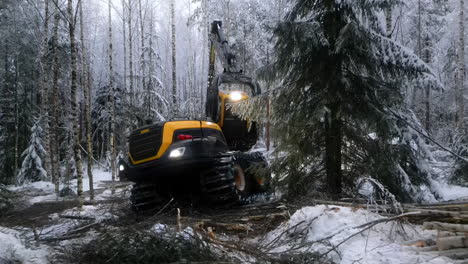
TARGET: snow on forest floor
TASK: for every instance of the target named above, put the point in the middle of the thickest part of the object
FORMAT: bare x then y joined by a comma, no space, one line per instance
322,228
43,191
35,240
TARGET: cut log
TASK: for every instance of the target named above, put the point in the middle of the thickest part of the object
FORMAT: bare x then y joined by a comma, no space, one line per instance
459,253
445,243
449,234
445,227
437,213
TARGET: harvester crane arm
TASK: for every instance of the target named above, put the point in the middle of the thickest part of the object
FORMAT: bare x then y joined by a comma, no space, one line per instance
220,43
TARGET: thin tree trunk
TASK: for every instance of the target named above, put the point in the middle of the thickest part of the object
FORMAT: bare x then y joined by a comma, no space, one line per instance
53,138
74,98
130,50
151,64
112,98
85,85
461,67
418,51
16,116
174,65
124,29
45,89
333,160
142,55
427,99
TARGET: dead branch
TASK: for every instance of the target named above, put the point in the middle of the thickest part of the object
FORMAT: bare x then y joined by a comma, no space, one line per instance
52,239
77,217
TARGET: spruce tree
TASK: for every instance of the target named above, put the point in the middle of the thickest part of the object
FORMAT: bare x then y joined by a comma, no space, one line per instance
32,168
339,113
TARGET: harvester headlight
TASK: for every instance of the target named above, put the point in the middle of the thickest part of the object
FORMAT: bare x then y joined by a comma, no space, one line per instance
178,152
235,96
121,167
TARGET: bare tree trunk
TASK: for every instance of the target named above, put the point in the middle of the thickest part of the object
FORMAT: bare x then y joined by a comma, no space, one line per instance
418,51
124,29
112,98
130,49
174,65
86,86
53,138
16,116
142,52
74,98
461,68
427,99
151,64
45,89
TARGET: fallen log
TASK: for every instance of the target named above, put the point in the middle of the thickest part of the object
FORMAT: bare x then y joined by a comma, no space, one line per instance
450,234
446,243
445,227
438,213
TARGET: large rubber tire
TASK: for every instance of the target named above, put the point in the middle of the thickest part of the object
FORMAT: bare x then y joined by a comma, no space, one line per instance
144,197
256,172
217,183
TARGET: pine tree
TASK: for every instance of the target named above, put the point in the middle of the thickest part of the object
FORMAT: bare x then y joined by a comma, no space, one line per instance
339,113
32,168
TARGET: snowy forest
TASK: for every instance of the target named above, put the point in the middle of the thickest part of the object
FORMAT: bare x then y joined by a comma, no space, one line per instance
355,122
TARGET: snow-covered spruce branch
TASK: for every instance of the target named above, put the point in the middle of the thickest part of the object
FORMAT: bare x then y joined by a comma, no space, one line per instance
426,136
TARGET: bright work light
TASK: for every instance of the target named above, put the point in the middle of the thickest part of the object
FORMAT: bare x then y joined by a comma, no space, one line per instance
178,152
235,96
121,167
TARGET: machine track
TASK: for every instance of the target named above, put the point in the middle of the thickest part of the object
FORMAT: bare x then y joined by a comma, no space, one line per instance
144,197
217,184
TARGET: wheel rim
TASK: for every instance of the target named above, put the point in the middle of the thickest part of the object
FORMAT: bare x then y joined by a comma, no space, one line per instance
239,178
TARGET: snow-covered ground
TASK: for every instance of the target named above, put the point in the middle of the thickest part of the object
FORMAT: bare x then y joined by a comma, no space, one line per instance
13,248
44,190
320,228
441,169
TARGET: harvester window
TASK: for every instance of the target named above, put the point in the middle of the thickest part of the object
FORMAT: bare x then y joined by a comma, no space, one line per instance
197,133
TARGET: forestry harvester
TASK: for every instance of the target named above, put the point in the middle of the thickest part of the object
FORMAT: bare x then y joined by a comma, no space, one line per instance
200,159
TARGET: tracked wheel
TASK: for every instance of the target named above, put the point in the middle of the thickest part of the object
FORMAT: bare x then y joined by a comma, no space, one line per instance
217,184
144,197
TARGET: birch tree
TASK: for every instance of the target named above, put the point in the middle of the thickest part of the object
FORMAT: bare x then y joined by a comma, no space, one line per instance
86,87
53,137
174,64
74,97
44,110
112,97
